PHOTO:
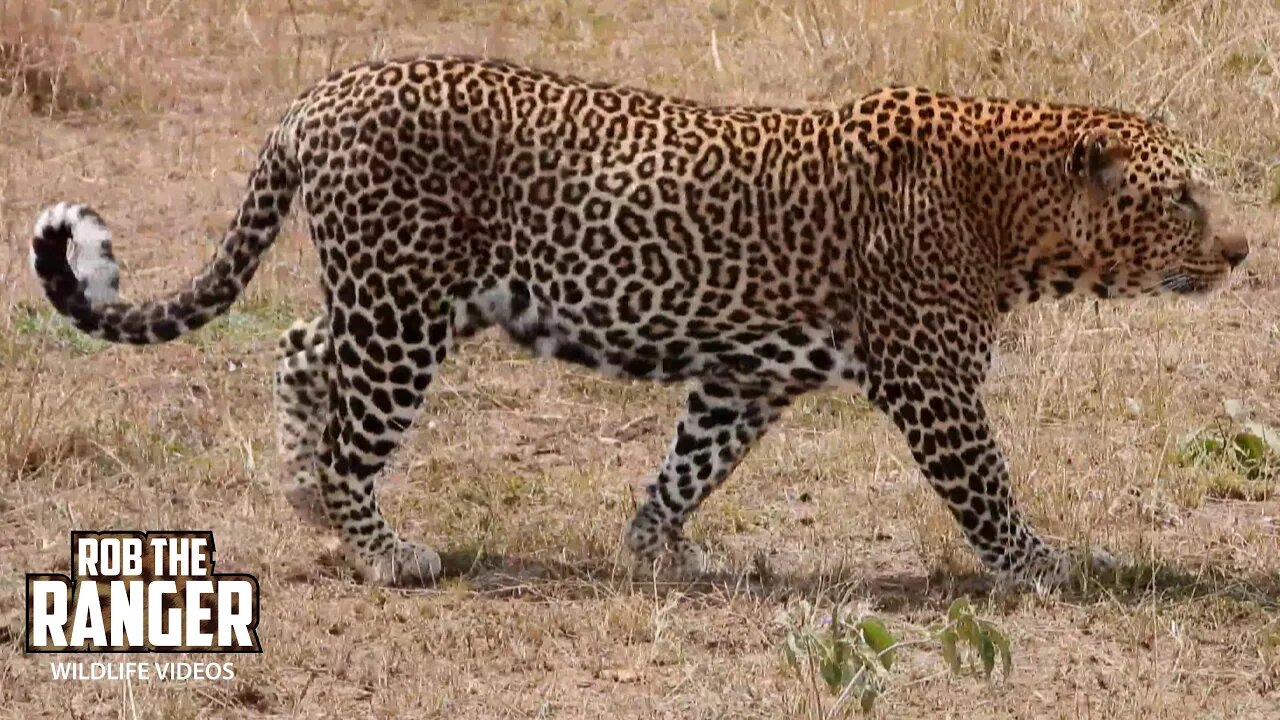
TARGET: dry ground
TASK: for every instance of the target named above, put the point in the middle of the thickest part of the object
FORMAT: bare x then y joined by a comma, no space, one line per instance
152,110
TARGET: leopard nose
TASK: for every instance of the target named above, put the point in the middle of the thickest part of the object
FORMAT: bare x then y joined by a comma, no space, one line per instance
1235,248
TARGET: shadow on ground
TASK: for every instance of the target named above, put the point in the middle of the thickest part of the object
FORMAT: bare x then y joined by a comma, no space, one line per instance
519,577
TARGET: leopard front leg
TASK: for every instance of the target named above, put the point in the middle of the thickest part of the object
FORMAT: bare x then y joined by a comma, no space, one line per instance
301,391
942,416
719,424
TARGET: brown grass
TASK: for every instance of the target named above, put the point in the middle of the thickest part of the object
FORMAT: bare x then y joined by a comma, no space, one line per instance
530,468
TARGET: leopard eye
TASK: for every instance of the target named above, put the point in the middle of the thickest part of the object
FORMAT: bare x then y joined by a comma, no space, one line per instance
1184,198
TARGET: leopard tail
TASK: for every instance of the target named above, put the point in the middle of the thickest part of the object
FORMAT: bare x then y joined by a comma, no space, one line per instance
72,256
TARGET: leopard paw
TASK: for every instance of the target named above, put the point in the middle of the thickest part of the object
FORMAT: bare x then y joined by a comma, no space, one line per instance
406,565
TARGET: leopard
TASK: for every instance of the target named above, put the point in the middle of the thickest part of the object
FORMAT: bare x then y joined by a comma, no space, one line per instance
753,253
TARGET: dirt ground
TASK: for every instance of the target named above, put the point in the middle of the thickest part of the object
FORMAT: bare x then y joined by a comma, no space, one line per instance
526,471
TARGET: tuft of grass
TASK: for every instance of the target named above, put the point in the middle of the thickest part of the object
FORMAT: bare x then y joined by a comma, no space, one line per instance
244,323
1230,486
48,329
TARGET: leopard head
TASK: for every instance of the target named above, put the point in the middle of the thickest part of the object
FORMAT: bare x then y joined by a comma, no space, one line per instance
1140,217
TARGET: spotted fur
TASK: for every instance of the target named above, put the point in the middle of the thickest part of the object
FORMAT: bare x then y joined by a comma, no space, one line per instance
759,253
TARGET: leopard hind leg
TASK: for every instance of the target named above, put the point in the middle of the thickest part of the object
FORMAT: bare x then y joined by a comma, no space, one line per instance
304,364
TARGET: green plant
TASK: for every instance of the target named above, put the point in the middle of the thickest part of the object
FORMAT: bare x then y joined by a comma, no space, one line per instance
1243,454
983,639
851,654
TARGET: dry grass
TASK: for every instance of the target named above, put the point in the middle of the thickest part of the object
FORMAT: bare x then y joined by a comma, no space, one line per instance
37,61
530,468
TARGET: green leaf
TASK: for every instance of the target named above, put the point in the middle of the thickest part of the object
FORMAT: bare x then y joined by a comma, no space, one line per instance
852,672
960,608
1200,449
950,652
1269,435
1250,446
968,631
879,639
1002,645
832,674
792,652
868,699
987,651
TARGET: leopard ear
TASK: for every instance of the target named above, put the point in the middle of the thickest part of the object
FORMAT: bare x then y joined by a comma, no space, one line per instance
1100,157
